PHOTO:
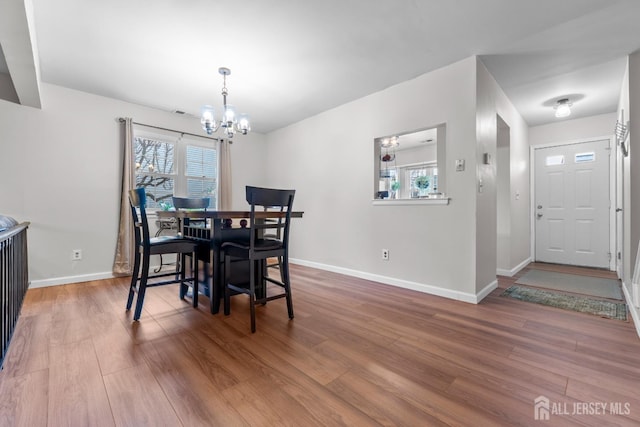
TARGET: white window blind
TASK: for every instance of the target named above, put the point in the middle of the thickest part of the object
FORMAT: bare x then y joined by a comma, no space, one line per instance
201,166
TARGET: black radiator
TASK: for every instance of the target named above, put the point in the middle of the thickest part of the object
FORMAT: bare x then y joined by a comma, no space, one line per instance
14,277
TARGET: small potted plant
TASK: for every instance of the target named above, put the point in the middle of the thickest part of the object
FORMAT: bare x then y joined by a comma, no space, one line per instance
422,182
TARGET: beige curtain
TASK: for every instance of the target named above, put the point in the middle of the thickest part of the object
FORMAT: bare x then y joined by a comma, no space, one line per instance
123,263
224,196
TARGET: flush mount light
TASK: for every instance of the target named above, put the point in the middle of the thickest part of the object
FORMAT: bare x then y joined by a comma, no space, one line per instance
563,108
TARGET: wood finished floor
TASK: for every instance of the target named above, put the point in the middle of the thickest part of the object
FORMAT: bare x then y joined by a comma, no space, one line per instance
357,353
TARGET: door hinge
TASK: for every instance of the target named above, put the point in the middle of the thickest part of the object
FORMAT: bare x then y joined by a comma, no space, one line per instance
609,254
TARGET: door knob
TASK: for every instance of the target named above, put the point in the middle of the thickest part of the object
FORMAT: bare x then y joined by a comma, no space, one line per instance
539,215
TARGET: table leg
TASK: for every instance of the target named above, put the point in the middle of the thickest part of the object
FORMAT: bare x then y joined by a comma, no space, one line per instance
216,281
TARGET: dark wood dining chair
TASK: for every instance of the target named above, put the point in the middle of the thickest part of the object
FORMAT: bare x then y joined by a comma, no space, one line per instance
258,250
204,246
192,203
145,246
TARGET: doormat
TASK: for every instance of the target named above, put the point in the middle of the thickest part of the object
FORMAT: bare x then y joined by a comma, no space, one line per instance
583,304
586,285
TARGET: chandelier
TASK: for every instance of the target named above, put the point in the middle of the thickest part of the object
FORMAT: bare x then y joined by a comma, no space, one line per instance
230,122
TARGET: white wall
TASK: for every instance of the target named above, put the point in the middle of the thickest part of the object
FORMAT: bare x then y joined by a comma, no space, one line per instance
491,103
328,160
573,130
623,201
623,191
60,170
632,183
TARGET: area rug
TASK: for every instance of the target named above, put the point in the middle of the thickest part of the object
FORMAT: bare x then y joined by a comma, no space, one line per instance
583,304
586,285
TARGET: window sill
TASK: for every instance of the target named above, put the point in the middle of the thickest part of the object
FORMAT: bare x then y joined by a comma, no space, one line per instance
410,202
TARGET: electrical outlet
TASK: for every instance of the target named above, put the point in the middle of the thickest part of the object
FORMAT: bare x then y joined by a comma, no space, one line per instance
385,254
76,254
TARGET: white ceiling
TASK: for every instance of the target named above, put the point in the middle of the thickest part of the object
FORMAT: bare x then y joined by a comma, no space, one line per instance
291,59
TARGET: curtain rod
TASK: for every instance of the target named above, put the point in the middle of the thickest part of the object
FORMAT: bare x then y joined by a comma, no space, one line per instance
122,119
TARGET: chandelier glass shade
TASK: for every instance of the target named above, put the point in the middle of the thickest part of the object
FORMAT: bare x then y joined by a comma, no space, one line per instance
230,122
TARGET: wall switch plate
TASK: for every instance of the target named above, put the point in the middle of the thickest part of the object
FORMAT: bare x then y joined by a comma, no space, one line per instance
459,165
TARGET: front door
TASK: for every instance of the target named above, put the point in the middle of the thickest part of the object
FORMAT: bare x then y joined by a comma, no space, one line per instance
572,204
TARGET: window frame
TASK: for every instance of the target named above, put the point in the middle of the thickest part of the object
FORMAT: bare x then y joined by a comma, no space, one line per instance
180,141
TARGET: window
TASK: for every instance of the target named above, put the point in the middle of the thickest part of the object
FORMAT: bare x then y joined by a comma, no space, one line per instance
154,169
422,180
585,157
410,181
169,164
201,166
554,160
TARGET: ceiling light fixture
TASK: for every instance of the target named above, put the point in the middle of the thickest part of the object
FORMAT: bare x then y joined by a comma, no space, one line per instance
390,142
563,108
229,122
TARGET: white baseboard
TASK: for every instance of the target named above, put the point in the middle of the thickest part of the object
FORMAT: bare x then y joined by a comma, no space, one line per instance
514,270
486,291
420,287
69,279
635,312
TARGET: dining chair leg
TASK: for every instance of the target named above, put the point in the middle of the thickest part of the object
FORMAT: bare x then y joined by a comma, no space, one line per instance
280,267
143,287
273,266
218,280
213,291
183,287
286,280
252,294
262,291
134,279
227,291
196,281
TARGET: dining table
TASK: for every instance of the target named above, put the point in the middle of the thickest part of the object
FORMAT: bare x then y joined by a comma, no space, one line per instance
213,228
